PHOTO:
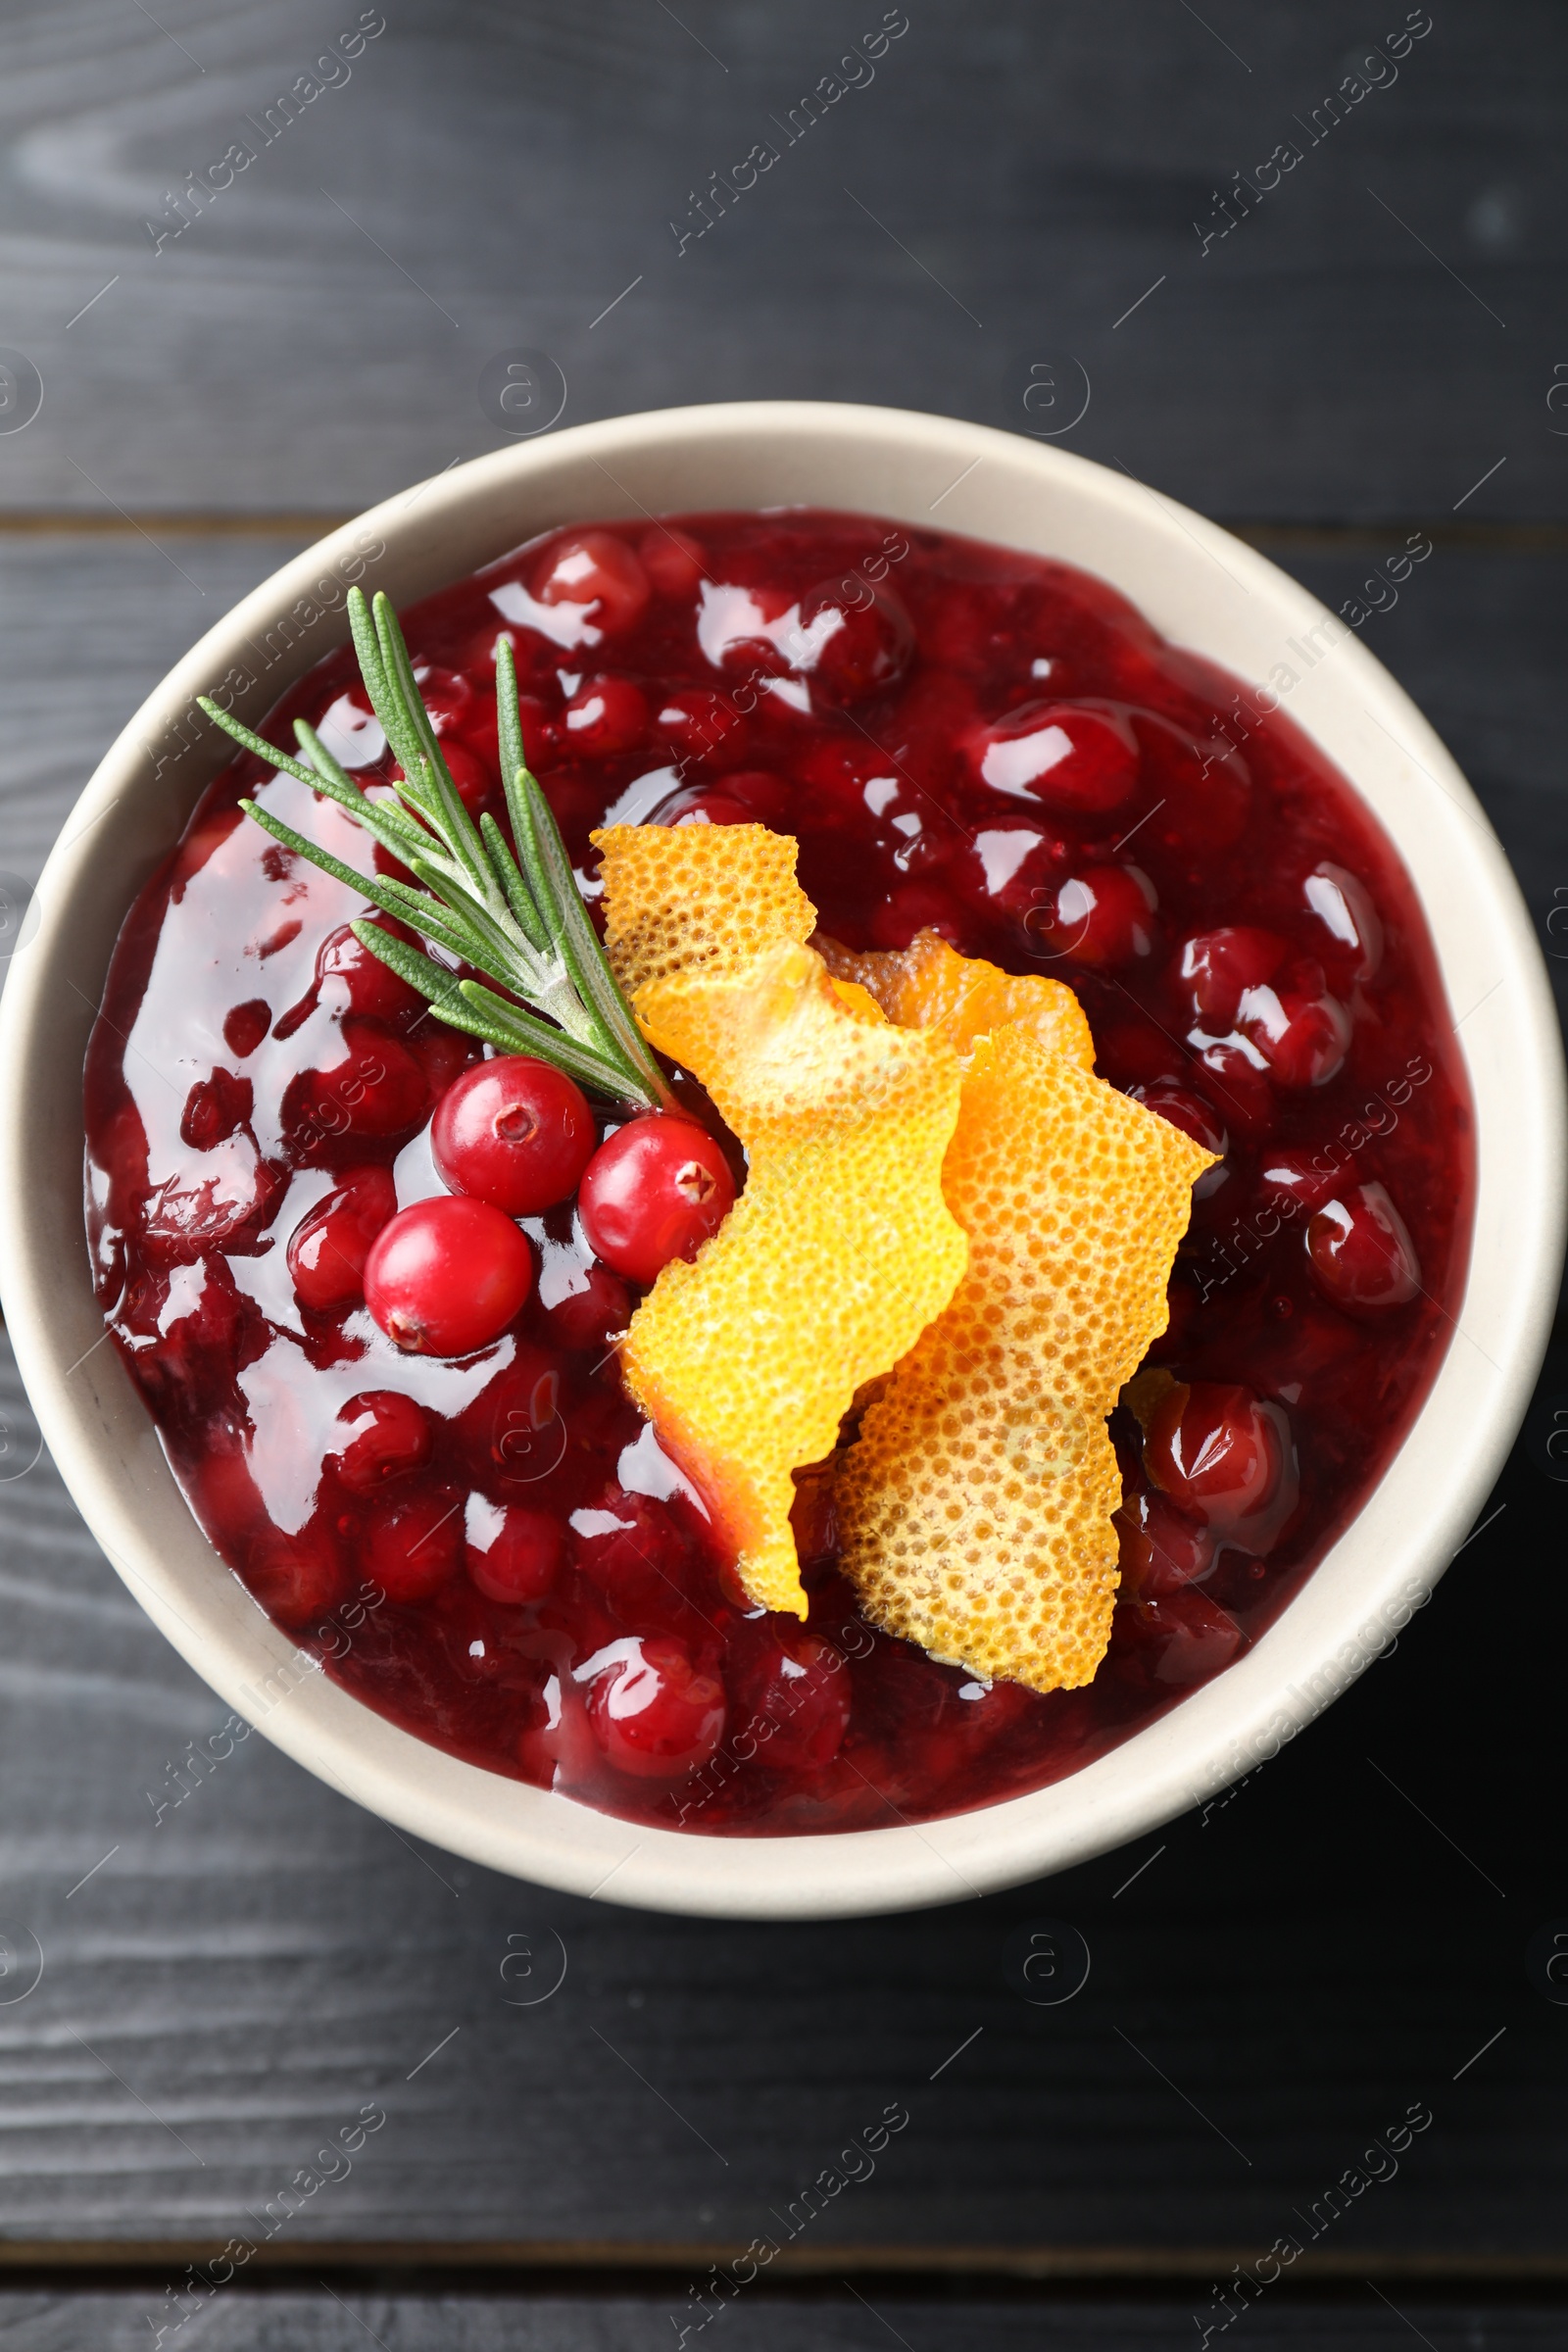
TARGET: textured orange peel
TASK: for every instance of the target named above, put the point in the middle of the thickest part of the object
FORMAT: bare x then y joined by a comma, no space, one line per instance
696,897
975,1506
837,1256
929,985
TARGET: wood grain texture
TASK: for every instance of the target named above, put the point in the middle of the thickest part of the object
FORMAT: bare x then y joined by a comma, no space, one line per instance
225,1986
327,2320
1013,186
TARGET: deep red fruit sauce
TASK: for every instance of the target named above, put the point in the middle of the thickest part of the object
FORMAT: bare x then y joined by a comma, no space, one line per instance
963,738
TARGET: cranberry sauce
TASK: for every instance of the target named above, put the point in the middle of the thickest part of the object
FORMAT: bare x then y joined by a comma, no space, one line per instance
491,1549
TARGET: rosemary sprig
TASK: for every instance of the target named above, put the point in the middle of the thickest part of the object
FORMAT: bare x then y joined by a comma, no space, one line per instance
510,911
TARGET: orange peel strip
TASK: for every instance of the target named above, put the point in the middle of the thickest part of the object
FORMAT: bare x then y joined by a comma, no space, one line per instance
696,897
837,1256
929,985
975,1507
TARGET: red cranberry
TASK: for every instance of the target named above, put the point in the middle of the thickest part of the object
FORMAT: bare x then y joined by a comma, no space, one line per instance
514,1554
630,1548
298,1576
445,1276
697,724
514,1132
746,797
1101,918
327,1250
1303,1038
245,1025
375,1089
1299,1177
364,983
447,696
1185,1636
1218,1454
1161,1550
792,1700
1240,1085
692,807
513,1433
1214,967
587,1321
413,1544
672,559
610,716
1205,787
1343,904
1361,1251
912,907
657,1713
594,567
1082,763
391,1437
1190,1113
852,640
653,1191
214,1109
442,1054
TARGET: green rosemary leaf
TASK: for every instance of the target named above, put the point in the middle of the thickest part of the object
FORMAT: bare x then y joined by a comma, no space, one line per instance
446,804
391,897
537,977
466,1004
514,913
335,778
401,678
385,819
509,723
555,886
519,895
523,1035
258,744
514,760
424,914
372,669
425,784
420,972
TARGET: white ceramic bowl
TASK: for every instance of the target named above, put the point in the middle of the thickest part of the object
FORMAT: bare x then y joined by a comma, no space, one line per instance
1205,591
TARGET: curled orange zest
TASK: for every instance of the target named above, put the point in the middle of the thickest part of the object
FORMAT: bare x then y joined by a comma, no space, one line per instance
695,898
929,985
837,1256
975,1506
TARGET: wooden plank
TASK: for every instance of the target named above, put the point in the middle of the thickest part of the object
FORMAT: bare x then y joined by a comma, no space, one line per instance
1029,189
224,1989
329,2319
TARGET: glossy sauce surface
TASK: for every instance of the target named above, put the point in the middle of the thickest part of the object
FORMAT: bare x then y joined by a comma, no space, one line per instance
493,1550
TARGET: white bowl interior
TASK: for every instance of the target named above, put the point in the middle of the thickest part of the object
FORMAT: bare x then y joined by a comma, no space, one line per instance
1205,591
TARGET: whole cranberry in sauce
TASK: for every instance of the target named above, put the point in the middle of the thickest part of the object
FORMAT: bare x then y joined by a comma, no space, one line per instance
656,1190
446,1277
514,1132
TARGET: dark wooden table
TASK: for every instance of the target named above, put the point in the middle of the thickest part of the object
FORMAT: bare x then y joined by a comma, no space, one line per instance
1371,349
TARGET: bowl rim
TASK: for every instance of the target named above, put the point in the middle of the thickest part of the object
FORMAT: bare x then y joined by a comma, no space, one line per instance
1353,1605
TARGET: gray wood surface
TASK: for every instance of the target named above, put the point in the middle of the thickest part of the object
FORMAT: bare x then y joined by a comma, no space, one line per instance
1272,1986
328,2319
1374,337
